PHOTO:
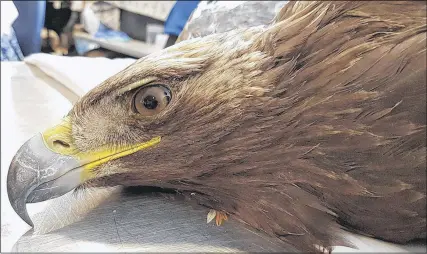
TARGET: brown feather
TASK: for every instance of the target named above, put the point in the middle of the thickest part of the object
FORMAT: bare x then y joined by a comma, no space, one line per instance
315,123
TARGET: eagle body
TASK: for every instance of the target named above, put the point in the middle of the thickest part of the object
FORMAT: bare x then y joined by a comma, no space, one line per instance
314,123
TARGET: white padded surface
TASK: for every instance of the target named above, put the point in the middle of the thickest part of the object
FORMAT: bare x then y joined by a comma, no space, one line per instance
79,74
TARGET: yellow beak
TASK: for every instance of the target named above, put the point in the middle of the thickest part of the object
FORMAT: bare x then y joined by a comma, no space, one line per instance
59,140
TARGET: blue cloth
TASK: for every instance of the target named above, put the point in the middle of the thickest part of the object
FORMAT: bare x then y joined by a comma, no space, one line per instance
178,16
10,50
107,33
29,24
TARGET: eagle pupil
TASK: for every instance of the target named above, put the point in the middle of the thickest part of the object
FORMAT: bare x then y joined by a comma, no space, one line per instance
150,102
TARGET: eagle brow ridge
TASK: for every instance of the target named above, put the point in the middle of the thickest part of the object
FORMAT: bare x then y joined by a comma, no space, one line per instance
139,83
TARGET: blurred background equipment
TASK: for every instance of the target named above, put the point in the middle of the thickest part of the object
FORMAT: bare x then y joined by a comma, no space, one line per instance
118,29
146,26
113,29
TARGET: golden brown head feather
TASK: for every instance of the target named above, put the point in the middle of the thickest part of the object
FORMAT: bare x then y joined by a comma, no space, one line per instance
316,121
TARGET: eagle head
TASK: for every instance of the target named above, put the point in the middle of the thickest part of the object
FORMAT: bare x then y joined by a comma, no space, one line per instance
162,121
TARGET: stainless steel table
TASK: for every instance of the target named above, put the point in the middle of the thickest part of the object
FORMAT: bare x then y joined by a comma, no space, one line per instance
152,223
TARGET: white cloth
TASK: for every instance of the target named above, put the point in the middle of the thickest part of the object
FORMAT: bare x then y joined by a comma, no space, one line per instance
8,15
79,74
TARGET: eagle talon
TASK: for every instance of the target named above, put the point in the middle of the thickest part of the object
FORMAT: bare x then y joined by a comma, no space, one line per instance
219,216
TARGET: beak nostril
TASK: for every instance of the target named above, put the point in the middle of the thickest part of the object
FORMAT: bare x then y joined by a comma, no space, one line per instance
60,143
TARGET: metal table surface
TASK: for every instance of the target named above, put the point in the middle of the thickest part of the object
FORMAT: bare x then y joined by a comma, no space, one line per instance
108,220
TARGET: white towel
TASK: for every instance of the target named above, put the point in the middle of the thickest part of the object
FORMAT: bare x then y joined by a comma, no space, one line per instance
79,74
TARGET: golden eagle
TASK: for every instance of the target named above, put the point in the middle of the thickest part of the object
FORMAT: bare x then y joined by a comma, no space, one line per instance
313,123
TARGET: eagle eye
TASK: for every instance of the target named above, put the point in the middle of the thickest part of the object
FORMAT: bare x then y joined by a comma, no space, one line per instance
151,100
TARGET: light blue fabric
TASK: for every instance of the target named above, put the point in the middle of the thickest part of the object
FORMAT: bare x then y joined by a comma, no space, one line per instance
178,16
107,33
10,50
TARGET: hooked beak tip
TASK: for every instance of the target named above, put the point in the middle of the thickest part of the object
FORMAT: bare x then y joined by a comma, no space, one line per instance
19,184
34,172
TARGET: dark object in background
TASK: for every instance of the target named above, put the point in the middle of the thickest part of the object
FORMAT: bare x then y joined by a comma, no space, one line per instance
171,40
102,52
56,20
135,25
29,24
